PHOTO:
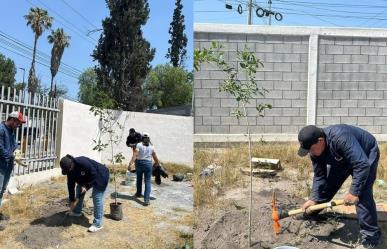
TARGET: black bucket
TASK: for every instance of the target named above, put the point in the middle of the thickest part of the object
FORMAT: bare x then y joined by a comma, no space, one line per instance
116,211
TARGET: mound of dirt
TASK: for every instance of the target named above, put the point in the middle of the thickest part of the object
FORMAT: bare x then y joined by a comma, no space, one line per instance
227,227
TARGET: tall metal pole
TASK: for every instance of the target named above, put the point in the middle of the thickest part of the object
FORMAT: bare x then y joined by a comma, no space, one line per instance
270,12
250,16
24,71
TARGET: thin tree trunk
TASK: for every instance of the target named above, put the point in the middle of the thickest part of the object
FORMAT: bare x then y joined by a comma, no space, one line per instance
32,78
52,81
251,172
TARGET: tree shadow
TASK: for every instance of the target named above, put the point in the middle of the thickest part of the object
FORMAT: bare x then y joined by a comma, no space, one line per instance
61,219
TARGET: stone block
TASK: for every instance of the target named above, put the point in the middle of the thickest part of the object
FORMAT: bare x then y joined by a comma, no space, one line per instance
213,120
370,50
334,49
351,50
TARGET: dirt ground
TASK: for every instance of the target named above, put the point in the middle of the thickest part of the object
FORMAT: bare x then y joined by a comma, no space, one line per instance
224,224
156,226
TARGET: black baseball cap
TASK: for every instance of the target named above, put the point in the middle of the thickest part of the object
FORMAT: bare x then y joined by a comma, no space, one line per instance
308,136
65,164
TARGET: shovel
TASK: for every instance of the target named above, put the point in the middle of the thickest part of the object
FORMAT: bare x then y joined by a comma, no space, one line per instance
277,214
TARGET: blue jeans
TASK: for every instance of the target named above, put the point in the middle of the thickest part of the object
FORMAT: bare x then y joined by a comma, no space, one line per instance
98,199
5,175
144,167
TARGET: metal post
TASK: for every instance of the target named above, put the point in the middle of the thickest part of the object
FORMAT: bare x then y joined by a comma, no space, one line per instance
24,71
270,12
250,16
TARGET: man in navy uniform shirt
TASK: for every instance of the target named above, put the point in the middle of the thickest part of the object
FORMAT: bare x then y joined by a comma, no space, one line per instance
336,152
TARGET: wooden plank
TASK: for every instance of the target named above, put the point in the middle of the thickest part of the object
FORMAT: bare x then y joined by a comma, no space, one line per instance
350,211
266,163
259,172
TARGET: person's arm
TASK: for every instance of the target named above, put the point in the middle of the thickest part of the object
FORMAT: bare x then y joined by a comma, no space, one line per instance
134,156
351,150
319,181
155,158
3,152
127,141
71,188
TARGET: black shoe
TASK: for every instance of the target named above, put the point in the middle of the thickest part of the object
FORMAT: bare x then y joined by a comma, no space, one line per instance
138,195
4,216
366,244
146,203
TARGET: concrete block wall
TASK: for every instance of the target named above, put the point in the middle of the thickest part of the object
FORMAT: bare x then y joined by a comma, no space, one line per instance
284,75
315,75
352,82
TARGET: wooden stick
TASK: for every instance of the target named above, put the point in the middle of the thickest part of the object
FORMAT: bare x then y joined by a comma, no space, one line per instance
316,207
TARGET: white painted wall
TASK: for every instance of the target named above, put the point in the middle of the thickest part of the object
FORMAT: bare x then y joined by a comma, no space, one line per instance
171,135
76,129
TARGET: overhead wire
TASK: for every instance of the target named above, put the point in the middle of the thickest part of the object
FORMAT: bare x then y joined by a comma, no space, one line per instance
38,52
76,31
9,45
30,58
79,14
327,7
336,5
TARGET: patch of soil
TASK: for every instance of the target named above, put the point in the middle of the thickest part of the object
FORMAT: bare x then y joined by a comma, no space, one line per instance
46,231
226,227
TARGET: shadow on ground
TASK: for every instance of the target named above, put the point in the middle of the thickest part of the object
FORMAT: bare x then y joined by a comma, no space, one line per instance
61,219
130,198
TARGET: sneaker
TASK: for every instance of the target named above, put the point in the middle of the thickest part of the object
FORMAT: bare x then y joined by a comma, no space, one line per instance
366,245
94,228
73,214
138,195
146,203
4,216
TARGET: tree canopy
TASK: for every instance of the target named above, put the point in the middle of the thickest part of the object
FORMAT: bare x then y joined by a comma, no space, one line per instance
7,71
123,54
177,51
168,86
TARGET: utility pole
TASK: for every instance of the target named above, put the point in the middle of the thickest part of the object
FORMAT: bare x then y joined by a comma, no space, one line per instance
270,12
250,16
24,71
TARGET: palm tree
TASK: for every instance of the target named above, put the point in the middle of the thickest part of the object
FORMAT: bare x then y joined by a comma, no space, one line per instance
60,41
40,21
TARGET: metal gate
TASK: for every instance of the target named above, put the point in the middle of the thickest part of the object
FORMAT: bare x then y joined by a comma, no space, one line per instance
36,138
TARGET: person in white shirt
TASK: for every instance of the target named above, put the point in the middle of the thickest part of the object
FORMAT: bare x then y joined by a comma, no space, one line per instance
144,153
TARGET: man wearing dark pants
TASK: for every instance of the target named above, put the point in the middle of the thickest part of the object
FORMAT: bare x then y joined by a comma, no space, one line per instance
7,147
337,152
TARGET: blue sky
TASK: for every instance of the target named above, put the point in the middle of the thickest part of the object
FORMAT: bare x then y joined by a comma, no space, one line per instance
344,13
77,17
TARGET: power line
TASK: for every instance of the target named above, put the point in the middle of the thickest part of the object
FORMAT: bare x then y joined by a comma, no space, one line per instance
76,31
10,45
331,10
38,52
37,61
79,14
339,5
76,28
